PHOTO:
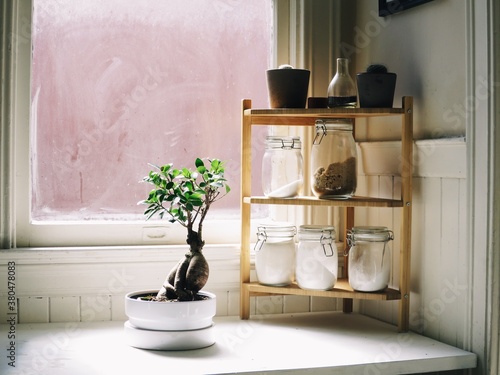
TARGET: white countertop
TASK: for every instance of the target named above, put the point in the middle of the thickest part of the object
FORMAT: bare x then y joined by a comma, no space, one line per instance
284,344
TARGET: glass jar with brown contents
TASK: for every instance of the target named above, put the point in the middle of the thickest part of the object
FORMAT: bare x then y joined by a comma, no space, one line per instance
334,160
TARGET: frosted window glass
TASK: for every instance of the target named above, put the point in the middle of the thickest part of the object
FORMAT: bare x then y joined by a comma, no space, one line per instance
118,84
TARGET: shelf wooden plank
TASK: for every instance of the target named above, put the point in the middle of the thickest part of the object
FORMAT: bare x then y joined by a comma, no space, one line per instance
308,116
342,290
356,201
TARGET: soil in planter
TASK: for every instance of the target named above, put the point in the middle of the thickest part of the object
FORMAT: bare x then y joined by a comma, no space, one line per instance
152,298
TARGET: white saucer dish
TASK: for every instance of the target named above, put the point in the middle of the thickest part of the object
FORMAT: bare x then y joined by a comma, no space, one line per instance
169,340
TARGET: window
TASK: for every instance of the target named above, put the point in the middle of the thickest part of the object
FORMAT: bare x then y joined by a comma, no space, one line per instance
116,85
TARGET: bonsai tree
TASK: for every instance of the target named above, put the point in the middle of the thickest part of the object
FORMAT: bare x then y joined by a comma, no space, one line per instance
185,196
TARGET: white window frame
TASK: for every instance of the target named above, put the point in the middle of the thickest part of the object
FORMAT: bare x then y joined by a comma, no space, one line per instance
16,229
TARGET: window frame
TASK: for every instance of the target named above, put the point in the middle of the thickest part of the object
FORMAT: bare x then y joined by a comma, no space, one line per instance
17,230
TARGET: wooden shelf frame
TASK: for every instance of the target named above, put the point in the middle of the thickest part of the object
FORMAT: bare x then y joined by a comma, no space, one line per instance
307,117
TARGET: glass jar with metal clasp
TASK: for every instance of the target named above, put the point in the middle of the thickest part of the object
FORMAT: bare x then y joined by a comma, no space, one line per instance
334,159
369,258
282,167
275,254
317,258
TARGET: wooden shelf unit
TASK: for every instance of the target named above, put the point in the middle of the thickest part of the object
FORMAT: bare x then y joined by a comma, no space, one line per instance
307,117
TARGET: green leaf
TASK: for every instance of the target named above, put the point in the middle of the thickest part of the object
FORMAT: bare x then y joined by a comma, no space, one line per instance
199,163
215,164
165,168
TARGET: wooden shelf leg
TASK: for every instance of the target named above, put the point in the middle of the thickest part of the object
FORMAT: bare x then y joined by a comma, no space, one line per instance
246,175
244,303
347,303
406,195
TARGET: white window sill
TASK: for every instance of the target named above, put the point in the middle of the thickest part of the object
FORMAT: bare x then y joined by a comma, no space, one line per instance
325,342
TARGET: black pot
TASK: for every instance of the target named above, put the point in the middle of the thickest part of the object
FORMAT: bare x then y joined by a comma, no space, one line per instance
376,90
287,88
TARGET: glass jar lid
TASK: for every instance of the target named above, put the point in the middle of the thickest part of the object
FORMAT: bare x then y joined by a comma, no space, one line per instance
324,235
369,233
325,126
316,232
274,233
286,143
276,230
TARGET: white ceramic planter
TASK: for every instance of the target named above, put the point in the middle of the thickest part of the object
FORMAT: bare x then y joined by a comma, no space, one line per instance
170,316
169,325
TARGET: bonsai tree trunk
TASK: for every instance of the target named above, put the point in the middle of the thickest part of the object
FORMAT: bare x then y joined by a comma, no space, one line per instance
190,275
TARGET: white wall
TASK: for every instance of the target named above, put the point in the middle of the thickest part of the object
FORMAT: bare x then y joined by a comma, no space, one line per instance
446,55
426,47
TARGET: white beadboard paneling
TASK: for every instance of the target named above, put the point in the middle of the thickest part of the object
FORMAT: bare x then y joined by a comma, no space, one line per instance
451,327
269,305
296,304
222,302
95,308
439,258
118,308
4,311
463,264
325,304
33,310
64,309
431,249
233,303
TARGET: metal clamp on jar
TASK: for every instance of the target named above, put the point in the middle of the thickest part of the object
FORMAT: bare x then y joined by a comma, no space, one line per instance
369,258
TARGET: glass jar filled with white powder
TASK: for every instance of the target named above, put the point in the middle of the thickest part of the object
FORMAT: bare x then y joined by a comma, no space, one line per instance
317,259
369,258
282,167
334,159
275,255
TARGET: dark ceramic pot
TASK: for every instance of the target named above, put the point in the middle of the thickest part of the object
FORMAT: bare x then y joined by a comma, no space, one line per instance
376,90
288,88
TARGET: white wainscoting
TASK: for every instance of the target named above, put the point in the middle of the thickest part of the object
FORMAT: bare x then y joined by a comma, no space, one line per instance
54,285
440,258
82,284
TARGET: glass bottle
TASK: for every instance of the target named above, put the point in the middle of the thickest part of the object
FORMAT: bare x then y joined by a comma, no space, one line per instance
282,167
369,258
316,266
342,90
275,254
334,160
